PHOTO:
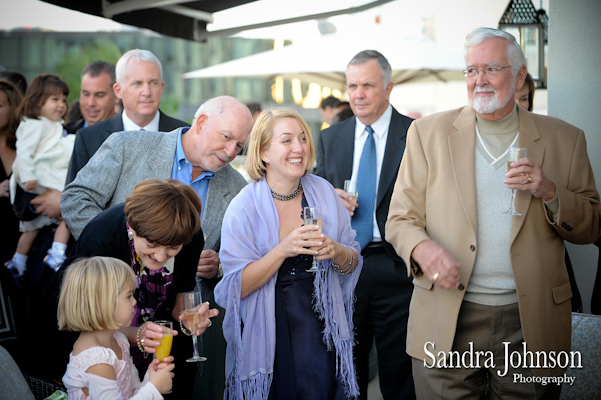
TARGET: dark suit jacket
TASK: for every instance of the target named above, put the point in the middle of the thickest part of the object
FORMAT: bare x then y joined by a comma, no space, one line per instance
89,140
335,149
74,126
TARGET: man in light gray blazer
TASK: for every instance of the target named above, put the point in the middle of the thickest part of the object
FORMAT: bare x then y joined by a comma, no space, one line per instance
198,156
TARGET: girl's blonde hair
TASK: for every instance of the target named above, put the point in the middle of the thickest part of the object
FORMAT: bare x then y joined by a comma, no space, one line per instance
90,293
260,138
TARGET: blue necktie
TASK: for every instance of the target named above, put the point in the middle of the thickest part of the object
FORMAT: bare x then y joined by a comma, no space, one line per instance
362,221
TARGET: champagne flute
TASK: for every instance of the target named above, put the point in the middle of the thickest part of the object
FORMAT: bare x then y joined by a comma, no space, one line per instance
312,216
192,302
515,153
351,189
164,348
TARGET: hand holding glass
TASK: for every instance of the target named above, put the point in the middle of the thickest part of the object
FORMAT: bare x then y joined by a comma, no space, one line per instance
192,302
312,216
352,190
515,153
164,348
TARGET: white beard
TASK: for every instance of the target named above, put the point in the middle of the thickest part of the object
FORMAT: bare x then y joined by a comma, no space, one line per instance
488,105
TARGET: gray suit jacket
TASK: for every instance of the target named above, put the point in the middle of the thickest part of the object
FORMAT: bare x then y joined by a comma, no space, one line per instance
124,160
89,139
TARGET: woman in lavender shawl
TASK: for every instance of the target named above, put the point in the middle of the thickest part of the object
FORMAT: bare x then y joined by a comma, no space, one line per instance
289,331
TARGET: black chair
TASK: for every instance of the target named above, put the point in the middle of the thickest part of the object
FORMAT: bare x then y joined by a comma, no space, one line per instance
41,388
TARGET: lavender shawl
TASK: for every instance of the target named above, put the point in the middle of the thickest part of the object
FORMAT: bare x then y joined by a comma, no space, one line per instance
250,230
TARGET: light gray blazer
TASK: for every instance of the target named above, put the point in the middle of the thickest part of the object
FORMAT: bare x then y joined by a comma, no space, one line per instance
124,160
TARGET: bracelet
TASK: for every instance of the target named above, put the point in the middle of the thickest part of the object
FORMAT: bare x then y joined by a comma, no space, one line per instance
352,260
349,264
139,341
184,330
338,268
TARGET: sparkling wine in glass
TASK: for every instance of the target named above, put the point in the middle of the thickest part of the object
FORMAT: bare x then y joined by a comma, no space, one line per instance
312,216
351,189
515,153
192,302
164,348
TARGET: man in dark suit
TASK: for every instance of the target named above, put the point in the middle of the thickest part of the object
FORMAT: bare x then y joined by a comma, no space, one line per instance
140,86
383,291
96,98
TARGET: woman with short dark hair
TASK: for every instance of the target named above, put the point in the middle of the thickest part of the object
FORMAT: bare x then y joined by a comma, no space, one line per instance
157,232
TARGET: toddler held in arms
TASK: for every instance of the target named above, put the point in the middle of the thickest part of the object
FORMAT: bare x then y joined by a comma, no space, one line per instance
97,299
43,153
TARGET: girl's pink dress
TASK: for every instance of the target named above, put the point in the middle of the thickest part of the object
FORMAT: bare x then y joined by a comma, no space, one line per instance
127,385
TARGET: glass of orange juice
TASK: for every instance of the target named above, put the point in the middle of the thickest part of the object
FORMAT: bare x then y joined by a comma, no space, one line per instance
164,349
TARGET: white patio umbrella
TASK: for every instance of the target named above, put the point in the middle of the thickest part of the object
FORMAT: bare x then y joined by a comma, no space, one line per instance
324,62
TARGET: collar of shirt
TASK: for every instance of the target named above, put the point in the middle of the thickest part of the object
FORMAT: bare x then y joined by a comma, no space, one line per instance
380,127
182,171
129,125
184,164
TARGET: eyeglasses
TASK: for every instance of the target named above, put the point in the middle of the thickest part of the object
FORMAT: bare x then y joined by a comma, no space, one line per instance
492,72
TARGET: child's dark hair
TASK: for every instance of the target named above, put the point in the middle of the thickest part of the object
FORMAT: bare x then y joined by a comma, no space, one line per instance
38,92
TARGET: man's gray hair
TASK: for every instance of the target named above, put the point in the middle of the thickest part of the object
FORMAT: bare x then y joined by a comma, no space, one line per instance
366,55
136,55
515,55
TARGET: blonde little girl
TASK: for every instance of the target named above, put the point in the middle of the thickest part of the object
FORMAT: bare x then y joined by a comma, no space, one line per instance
96,299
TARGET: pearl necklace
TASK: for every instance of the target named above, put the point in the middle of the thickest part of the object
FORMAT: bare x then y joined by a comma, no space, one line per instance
286,197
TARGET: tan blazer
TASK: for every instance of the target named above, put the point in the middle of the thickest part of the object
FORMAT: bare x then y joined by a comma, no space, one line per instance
435,198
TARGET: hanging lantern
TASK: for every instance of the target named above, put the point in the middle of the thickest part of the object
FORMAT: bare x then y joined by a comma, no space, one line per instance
530,28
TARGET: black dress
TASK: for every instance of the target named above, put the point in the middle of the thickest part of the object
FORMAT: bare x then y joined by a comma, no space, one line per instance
9,234
303,368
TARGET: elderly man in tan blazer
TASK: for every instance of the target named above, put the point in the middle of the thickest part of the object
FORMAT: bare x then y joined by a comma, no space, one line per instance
492,294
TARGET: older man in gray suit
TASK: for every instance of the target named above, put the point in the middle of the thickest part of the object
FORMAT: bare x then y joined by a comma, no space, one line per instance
198,156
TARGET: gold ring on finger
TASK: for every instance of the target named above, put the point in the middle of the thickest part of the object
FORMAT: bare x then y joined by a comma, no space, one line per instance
434,277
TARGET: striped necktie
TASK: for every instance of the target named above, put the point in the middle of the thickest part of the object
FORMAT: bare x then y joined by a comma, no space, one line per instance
362,220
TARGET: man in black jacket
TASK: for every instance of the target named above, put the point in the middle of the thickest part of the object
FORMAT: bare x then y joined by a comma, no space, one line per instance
383,291
140,86
96,98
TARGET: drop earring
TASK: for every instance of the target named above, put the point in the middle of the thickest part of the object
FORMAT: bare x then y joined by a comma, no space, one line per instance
130,234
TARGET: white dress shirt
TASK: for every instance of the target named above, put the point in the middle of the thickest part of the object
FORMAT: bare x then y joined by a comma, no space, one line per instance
380,128
129,125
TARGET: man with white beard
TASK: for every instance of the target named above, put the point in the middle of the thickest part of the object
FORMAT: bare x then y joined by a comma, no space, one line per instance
488,283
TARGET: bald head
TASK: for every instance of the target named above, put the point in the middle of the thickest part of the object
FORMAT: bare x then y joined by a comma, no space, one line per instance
220,129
